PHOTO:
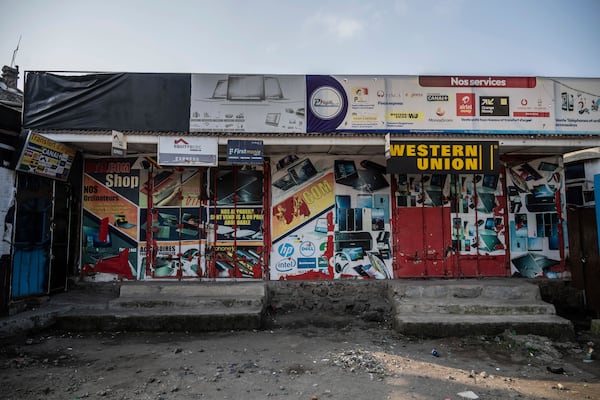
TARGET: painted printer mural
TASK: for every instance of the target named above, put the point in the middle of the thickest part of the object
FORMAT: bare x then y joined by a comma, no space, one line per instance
330,219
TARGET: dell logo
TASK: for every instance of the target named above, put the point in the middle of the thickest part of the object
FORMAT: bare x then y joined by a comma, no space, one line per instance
307,249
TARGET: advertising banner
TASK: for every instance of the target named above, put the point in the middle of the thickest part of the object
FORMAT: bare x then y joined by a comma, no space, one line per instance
577,102
429,103
45,157
247,103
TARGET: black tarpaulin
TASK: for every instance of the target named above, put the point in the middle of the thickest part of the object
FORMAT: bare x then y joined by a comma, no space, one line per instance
121,101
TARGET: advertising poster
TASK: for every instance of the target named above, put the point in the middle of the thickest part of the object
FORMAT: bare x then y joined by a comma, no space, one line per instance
243,260
247,103
110,222
536,229
337,225
239,224
235,234
172,187
477,210
194,212
174,260
429,103
45,157
307,192
577,102
178,242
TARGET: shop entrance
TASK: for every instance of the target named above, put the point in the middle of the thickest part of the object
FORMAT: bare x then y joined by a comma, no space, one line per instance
41,236
206,223
449,226
583,247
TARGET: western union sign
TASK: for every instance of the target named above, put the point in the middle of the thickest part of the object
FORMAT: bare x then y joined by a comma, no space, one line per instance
412,157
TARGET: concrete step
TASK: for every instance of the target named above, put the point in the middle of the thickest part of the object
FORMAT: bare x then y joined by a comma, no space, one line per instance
467,289
163,319
471,306
174,306
192,289
444,325
178,302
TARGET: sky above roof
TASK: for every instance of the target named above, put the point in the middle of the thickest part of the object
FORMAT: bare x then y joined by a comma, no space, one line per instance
402,37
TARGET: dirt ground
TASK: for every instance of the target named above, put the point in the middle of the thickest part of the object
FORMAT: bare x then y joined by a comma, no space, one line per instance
307,363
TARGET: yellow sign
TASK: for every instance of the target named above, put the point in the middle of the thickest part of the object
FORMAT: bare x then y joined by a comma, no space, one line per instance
442,157
303,205
42,156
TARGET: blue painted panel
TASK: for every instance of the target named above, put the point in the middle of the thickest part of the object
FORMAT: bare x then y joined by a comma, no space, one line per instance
30,271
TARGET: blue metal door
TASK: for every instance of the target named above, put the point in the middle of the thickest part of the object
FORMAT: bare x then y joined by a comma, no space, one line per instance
31,263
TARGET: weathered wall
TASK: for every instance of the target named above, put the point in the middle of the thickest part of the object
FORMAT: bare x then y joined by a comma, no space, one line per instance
327,303
567,299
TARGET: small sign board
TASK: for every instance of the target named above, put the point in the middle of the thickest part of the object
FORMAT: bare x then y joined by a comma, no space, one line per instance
45,157
245,151
426,157
119,144
188,151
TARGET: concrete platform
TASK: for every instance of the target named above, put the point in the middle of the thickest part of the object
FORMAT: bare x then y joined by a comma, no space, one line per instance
146,306
433,308
473,307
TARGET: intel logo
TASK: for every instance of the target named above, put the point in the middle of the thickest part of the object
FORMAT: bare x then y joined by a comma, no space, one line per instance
285,265
285,250
307,249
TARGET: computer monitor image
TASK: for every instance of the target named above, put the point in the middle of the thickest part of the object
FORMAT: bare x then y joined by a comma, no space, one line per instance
303,171
220,91
92,237
246,87
490,182
273,89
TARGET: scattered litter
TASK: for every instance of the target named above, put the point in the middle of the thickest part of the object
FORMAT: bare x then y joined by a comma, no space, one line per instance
588,356
468,395
358,360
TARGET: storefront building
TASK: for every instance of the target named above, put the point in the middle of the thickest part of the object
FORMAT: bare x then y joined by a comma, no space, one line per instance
214,176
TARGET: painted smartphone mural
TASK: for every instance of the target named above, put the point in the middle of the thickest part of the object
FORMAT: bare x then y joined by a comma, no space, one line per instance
536,224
